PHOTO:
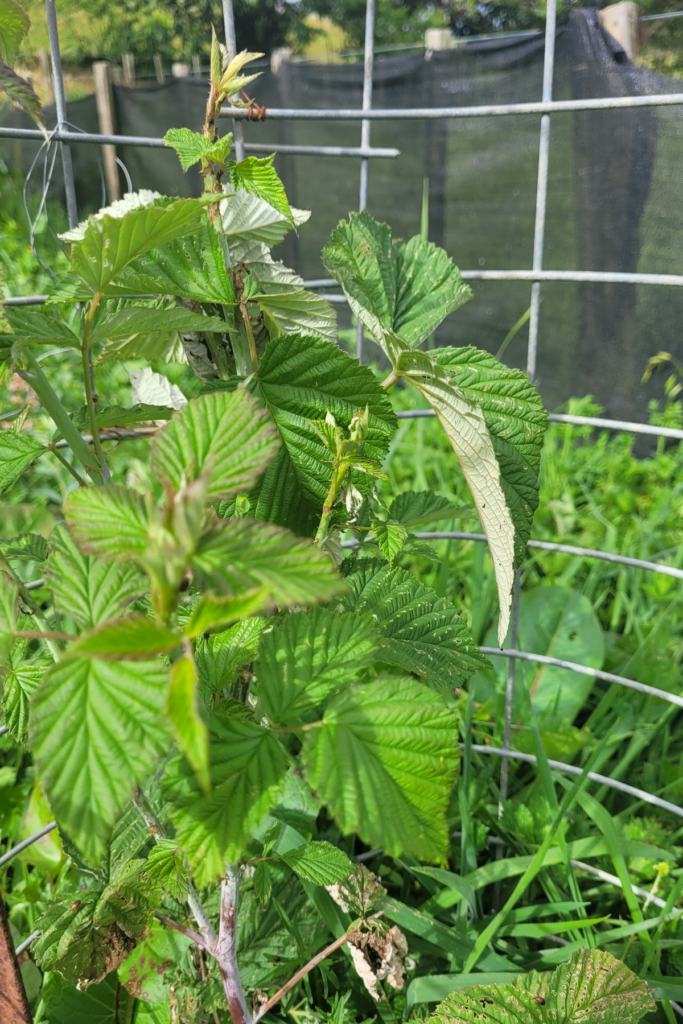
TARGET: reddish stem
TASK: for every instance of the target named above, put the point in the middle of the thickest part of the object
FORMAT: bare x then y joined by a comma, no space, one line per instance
185,931
299,975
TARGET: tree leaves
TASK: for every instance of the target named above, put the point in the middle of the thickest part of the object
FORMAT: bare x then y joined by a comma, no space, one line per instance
110,243
108,521
310,656
226,435
301,379
405,288
96,731
384,760
593,985
247,771
259,177
17,452
422,632
85,587
240,554
516,423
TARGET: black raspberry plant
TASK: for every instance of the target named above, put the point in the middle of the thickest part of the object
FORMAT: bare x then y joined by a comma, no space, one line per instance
210,673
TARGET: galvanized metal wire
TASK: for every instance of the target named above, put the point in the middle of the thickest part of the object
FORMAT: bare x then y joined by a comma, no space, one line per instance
7,857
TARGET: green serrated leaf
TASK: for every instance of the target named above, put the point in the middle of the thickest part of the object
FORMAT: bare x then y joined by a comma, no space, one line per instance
9,606
240,554
190,146
96,731
132,638
14,24
592,986
89,590
319,863
422,632
214,610
405,288
29,547
300,379
165,867
108,521
416,508
229,436
220,657
299,312
516,422
310,656
384,760
259,177
17,452
247,217
112,243
263,883
18,687
188,725
131,322
247,767
390,536
33,327
21,93
142,973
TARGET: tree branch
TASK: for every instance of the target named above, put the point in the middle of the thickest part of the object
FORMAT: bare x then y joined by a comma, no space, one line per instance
225,950
299,975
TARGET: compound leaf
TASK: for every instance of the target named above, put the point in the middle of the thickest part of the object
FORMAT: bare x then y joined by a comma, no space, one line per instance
247,766
384,760
17,452
85,587
227,435
421,631
310,656
96,731
405,288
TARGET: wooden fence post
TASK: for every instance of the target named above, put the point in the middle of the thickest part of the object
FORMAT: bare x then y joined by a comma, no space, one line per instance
104,95
159,68
196,66
128,62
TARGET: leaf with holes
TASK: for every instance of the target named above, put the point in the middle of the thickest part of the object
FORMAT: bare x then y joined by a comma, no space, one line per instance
384,761
422,632
96,731
85,587
406,288
300,379
17,452
227,435
247,766
310,656
516,423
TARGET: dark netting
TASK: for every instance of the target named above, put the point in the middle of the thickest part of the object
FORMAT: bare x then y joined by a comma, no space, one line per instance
614,193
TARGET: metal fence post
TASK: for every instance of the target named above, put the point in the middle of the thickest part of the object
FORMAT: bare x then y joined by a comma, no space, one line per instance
60,103
542,186
231,43
368,63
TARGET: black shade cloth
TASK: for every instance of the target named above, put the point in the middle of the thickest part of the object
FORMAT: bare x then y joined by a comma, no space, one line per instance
615,191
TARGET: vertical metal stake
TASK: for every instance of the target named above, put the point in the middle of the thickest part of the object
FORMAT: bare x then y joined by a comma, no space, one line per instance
368,63
60,103
231,43
541,187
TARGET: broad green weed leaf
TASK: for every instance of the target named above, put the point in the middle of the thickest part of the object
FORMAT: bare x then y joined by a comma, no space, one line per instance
108,521
96,731
9,606
310,656
165,867
220,657
18,687
133,638
246,216
193,267
417,508
247,772
405,288
242,553
384,761
299,312
300,379
319,863
17,452
516,422
226,435
14,24
85,587
421,632
111,243
133,321
214,610
188,725
466,429
259,177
